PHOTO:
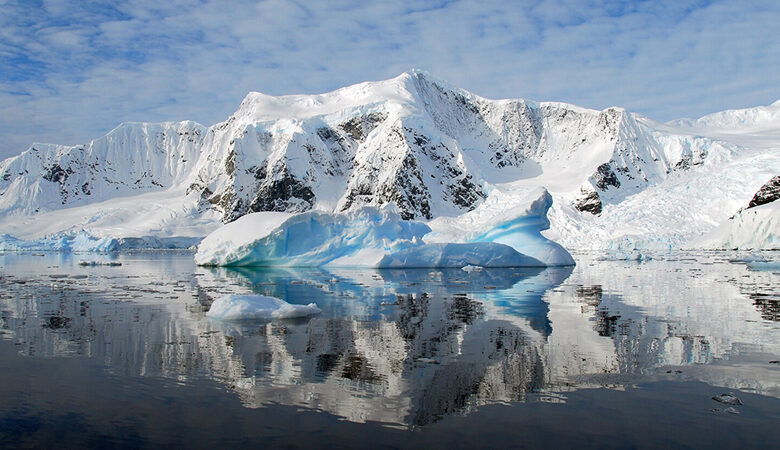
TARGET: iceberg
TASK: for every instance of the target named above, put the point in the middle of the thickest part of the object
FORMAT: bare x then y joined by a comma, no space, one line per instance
515,217
524,235
93,263
465,255
772,266
257,307
312,239
367,237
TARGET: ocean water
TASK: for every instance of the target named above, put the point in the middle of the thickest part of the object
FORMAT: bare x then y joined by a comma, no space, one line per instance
605,354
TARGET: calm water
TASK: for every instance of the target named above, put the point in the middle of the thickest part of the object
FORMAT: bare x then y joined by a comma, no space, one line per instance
605,354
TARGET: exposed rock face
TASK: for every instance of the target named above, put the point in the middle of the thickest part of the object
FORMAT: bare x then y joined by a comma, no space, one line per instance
768,193
131,159
605,177
433,149
589,201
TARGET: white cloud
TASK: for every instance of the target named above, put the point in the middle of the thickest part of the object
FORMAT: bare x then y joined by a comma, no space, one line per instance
77,69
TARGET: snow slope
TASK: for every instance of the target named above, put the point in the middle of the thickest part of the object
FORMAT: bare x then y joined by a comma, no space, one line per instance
441,154
757,226
754,228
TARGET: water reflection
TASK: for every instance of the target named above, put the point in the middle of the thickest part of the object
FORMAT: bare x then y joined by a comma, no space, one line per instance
400,346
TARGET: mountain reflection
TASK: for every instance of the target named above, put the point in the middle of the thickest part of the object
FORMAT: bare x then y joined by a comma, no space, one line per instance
396,346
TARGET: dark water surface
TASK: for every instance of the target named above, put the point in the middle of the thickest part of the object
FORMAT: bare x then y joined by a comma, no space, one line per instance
605,354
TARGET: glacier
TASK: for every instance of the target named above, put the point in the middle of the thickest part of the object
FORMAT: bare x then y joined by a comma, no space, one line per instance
80,242
84,242
756,228
443,156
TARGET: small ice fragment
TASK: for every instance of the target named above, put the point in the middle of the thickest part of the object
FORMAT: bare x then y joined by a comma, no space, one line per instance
727,399
247,307
469,268
764,265
427,360
85,262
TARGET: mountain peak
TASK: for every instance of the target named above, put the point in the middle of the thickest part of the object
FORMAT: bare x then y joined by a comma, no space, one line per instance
259,107
764,117
416,141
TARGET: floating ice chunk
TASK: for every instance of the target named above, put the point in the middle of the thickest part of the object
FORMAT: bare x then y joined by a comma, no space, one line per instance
757,262
357,238
728,399
484,254
471,268
764,265
248,307
84,262
632,255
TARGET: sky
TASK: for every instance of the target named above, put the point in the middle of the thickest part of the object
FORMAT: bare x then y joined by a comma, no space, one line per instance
70,71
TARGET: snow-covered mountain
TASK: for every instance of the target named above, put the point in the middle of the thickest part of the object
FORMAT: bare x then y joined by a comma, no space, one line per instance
437,151
132,158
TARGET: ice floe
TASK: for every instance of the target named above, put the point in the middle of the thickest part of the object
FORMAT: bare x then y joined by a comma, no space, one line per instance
86,262
257,307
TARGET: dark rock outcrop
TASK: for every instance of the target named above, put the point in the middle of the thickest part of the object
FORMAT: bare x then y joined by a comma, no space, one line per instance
589,201
605,177
768,193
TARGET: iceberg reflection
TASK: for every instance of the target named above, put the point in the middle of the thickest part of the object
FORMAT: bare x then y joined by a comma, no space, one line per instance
398,346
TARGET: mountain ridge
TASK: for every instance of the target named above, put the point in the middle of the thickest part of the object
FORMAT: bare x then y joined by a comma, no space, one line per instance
433,149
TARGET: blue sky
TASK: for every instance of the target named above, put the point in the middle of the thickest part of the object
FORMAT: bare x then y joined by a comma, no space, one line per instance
72,70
